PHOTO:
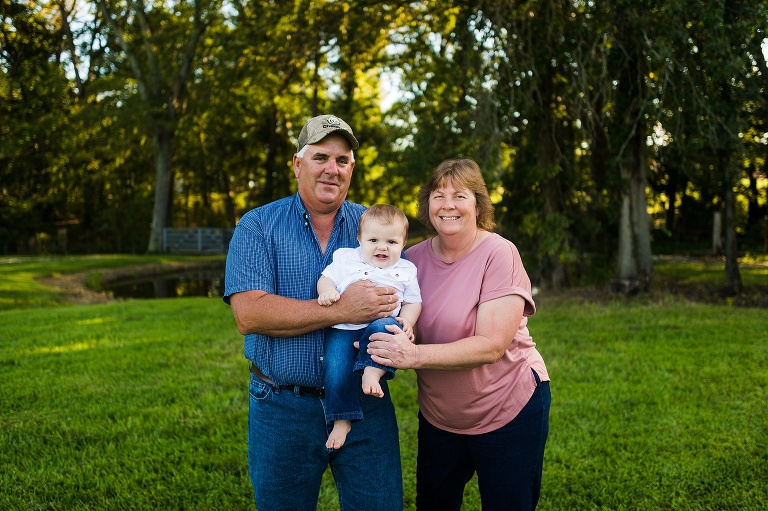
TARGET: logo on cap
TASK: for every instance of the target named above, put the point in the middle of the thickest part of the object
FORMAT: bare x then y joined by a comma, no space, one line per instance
333,121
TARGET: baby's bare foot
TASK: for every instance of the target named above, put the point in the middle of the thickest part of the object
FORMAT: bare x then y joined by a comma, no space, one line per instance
371,385
338,435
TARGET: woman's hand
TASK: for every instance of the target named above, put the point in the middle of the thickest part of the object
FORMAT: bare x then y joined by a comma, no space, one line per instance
394,350
497,322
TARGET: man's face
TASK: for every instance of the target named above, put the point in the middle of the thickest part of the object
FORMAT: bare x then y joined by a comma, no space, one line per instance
324,173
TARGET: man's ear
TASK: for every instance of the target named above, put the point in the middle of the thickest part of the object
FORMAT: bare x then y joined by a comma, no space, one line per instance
296,165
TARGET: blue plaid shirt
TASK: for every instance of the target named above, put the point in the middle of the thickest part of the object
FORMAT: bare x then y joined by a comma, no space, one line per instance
274,249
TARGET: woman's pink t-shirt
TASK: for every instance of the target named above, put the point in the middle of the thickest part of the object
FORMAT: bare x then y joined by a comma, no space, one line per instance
488,397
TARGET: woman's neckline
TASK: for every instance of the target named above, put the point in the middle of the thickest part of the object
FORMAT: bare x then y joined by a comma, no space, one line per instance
477,240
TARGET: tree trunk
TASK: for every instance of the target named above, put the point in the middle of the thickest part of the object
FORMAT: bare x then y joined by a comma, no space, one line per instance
164,106
639,209
635,265
717,229
671,189
753,206
732,273
163,141
634,270
626,268
548,161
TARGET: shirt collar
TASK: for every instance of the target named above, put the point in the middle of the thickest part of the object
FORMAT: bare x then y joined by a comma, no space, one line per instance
301,210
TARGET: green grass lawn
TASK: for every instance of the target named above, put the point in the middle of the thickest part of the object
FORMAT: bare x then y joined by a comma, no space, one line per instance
142,405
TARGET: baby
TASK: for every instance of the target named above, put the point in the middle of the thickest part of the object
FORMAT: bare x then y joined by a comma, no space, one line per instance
382,234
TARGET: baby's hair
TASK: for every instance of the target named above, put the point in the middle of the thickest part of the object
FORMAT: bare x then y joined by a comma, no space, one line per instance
385,214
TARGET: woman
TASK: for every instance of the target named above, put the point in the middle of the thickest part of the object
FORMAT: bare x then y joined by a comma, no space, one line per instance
483,388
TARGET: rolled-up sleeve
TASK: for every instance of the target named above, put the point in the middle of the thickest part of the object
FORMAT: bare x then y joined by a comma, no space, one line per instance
246,259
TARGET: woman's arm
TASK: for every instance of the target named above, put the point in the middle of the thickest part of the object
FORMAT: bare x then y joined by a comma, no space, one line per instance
497,323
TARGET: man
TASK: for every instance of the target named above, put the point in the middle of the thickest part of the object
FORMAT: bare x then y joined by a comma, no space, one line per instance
276,255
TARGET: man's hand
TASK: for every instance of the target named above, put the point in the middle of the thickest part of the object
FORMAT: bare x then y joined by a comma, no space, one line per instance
364,302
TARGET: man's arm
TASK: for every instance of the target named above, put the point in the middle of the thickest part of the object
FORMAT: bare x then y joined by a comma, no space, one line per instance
278,316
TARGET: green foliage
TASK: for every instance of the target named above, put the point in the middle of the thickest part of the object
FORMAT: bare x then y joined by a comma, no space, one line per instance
33,109
546,96
94,280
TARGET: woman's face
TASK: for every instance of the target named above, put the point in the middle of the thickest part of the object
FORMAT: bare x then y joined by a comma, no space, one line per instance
452,211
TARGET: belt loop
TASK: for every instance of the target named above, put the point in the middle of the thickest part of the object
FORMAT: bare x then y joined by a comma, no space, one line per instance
296,390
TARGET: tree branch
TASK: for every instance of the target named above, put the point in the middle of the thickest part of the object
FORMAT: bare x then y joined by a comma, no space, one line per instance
71,44
146,33
198,29
130,55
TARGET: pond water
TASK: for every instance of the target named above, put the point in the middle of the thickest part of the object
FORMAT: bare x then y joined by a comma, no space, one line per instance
208,282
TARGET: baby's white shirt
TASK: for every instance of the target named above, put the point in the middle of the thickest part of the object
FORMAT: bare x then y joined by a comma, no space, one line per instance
348,266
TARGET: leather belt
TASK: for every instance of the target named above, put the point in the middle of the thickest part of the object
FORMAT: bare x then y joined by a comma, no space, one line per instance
300,389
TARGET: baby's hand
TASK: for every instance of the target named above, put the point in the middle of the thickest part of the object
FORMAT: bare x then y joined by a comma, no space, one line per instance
407,328
328,297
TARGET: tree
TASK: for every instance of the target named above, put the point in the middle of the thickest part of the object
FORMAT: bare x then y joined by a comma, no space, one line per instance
722,37
33,105
160,45
632,22
535,91
186,113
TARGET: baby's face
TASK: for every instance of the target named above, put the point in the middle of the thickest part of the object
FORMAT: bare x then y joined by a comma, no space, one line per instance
381,245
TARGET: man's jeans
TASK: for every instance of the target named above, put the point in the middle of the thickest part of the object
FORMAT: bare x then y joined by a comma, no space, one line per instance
344,364
287,455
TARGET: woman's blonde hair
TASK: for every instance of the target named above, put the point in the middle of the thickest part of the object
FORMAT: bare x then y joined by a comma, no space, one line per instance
385,214
464,174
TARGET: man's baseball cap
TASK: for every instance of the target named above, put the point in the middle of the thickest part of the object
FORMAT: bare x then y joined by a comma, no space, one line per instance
317,128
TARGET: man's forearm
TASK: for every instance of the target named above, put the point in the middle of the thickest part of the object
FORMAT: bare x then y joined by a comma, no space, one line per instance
257,312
